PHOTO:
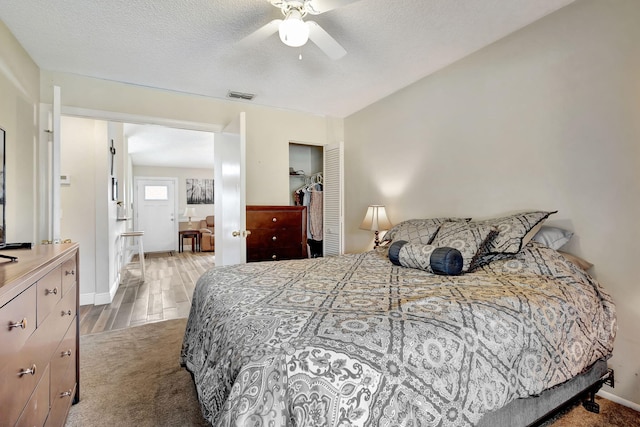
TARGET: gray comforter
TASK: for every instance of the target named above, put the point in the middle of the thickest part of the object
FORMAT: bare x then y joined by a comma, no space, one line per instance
356,341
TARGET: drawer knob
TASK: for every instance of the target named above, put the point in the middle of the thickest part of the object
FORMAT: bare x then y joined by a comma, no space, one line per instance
67,273
68,313
274,219
31,370
65,393
51,291
274,238
274,256
21,324
66,353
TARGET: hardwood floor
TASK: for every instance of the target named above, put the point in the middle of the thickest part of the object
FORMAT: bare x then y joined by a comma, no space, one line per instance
170,278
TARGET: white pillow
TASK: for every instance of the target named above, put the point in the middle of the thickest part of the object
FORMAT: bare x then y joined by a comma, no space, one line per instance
553,237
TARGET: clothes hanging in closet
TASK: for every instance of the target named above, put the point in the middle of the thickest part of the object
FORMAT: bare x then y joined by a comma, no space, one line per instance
311,196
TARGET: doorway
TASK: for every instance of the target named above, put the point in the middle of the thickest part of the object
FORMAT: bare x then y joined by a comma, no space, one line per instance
156,210
305,189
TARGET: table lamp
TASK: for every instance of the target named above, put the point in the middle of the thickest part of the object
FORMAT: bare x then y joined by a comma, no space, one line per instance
376,220
190,212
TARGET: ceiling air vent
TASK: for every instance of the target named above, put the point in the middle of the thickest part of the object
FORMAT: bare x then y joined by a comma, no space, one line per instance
241,95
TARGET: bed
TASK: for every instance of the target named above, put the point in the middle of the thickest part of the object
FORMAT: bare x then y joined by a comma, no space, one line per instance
357,340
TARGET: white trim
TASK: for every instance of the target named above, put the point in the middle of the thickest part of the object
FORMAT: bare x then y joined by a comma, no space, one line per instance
87,299
138,119
619,400
106,297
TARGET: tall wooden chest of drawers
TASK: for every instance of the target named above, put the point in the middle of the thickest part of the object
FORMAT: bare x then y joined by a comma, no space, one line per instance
277,232
39,354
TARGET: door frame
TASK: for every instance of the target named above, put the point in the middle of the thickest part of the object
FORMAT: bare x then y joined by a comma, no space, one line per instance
44,197
336,229
136,210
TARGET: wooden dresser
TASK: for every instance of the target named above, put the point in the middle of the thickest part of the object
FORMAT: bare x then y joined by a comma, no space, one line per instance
277,232
39,351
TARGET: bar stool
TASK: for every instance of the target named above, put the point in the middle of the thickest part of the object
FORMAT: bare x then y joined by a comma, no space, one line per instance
132,241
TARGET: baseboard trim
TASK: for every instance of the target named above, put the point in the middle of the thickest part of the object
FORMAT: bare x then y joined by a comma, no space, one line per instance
107,297
619,400
87,299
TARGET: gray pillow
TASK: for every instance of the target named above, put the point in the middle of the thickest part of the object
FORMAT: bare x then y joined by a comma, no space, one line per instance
514,231
470,238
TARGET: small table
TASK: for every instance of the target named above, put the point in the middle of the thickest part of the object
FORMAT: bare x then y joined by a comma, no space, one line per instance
195,237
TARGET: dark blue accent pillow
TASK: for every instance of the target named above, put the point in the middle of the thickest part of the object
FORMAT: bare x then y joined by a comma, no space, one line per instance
446,261
394,251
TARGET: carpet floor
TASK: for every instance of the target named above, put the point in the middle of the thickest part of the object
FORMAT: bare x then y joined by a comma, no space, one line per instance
132,377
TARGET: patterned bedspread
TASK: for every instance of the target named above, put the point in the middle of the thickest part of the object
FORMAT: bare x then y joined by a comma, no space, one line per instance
356,341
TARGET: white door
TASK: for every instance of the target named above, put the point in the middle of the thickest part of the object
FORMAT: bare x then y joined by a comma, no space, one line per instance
229,148
155,213
333,200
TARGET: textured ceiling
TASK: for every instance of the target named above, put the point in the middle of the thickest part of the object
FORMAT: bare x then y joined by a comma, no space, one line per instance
191,45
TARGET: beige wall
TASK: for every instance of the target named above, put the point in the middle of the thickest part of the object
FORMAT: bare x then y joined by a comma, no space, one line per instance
548,118
268,130
19,100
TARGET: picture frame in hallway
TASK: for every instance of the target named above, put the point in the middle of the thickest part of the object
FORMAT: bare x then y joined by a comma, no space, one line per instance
199,191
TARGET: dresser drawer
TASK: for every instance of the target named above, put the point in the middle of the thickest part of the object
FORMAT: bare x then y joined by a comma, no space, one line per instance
35,413
273,238
18,320
22,373
275,254
63,377
69,275
57,324
64,359
61,399
273,219
49,293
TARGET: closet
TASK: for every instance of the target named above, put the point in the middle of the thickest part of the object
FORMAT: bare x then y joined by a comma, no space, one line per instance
306,184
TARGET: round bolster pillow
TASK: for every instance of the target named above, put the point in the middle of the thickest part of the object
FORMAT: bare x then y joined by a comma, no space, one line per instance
444,260
394,251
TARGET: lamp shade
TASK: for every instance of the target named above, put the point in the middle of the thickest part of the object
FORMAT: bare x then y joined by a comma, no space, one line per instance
189,212
376,219
293,30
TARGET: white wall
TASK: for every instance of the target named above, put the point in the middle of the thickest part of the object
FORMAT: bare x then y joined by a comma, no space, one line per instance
182,174
88,213
548,118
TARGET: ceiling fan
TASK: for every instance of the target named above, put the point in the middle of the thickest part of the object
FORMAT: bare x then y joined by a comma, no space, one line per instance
294,31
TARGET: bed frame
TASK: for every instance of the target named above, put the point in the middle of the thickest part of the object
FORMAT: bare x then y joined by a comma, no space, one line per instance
535,410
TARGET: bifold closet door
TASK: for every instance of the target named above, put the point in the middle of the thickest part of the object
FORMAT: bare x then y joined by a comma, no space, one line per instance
333,243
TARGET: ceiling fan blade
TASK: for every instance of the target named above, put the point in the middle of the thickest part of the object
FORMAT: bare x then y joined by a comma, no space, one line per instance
260,34
324,41
316,7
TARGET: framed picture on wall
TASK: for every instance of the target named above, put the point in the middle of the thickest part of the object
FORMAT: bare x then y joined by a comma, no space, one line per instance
199,191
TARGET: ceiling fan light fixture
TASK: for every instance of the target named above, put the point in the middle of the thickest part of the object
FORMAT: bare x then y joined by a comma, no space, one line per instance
293,30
